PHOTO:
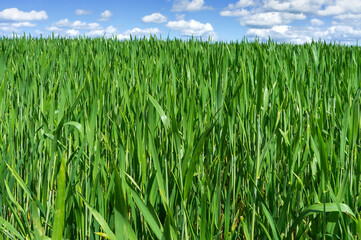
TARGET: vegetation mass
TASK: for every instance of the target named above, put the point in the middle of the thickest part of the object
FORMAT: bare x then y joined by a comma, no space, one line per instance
151,139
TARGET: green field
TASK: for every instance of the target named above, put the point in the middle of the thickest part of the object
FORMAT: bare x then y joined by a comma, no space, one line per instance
151,139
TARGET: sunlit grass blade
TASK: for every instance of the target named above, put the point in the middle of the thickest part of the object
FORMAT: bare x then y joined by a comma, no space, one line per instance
38,228
98,217
59,214
12,230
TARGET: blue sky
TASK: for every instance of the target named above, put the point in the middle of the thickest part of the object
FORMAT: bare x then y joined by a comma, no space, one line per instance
296,21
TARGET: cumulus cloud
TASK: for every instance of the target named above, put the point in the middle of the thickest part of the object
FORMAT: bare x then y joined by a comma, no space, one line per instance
192,28
279,33
316,22
8,28
241,4
269,13
348,16
82,12
23,24
270,19
340,33
264,33
72,33
298,6
107,32
330,10
344,32
65,23
234,13
138,32
14,14
53,29
14,27
189,6
341,7
237,9
154,18
72,29
104,16
180,16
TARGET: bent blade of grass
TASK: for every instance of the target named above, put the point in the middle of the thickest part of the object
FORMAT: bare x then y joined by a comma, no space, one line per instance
20,181
77,126
98,217
337,202
160,111
321,208
12,198
148,217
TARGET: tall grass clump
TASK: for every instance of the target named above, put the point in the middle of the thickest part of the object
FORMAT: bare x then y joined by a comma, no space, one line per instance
150,139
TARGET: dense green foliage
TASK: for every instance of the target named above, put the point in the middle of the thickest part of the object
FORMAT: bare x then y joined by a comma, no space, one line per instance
149,139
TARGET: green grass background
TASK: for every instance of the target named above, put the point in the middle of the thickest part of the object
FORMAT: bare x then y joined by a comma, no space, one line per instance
150,139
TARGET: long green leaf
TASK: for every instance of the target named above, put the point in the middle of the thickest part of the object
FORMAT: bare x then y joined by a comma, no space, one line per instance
320,208
59,215
99,219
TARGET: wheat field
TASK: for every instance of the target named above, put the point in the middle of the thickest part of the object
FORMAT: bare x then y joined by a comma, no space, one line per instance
171,139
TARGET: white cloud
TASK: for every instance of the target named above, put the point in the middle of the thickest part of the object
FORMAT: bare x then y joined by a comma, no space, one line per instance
268,19
299,6
104,16
65,23
192,28
234,13
14,14
53,29
82,12
180,17
72,33
340,33
73,29
189,6
237,9
241,4
23,24
268,13
349,16
154,18
330,10
38,32
316,22
123,37
341,7
279,33
111,30
7,28
107,32
14,27
138,32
